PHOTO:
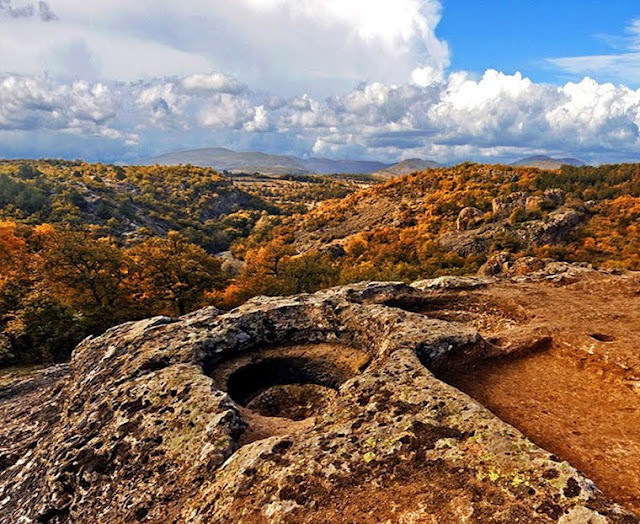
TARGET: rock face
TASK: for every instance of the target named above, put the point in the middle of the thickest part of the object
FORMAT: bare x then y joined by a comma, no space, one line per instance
503,206
467,218
302,409
552,229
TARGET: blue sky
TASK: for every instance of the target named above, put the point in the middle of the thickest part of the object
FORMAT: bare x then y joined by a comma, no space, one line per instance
512,35
450,80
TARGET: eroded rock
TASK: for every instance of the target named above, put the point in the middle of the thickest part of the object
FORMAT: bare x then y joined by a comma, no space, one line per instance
467,218
172,421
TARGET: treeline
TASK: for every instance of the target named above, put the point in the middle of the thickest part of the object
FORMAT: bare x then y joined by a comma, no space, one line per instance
58,285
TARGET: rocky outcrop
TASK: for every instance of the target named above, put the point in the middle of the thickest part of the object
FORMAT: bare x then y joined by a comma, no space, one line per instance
498,263
530,269
503,206
467,218
552,229
556,228
197,420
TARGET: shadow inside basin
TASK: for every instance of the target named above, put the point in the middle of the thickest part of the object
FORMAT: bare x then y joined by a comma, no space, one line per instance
294,382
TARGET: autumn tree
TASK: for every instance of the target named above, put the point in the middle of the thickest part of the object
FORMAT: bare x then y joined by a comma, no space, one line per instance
171,276
87,274
13,254
35,326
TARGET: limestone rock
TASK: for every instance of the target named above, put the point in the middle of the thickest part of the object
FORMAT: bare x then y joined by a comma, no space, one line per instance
165,421
549,230
503,206
449,282
497,264
557,197
556,228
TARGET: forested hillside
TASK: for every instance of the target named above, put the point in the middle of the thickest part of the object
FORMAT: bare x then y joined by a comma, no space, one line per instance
128,203
449,221
84,247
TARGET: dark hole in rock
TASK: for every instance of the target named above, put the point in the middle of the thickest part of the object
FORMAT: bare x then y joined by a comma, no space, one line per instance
601,337
141,513
7,460
414,304
294,382
251,381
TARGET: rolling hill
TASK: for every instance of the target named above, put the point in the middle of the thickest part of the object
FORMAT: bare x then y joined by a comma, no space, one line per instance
120,202
406,167
223,159
546,162
446,220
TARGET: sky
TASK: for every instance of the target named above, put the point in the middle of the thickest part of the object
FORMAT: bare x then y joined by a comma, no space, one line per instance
448,80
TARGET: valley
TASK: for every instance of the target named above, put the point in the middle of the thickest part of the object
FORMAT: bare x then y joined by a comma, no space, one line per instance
245,383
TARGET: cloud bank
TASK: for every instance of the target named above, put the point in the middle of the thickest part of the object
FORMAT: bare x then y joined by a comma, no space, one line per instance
127,80
458,117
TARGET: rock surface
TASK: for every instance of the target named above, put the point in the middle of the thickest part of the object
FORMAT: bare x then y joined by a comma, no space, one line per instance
552,229
467,218
147,423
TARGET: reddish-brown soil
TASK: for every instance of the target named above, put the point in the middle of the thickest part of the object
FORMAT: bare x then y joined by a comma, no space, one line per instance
579,399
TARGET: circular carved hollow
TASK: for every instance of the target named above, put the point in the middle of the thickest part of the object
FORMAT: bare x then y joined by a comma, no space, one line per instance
294,382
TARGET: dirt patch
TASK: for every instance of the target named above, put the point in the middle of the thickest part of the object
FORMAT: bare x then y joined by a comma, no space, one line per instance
574,411
579,399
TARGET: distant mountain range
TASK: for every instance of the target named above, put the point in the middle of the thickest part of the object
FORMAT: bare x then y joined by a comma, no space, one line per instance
223,159
546,162
255,162
407,166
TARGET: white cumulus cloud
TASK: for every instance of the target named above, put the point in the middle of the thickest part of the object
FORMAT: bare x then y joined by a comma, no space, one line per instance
359,78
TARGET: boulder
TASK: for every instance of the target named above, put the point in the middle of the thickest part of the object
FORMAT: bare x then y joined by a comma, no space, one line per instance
497,264
556,227
557,197
504,205
467,218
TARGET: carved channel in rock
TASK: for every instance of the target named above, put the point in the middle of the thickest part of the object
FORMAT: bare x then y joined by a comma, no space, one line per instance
293,382
557,390
476,310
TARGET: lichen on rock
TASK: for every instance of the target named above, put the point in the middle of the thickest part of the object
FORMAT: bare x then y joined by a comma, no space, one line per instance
150,421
